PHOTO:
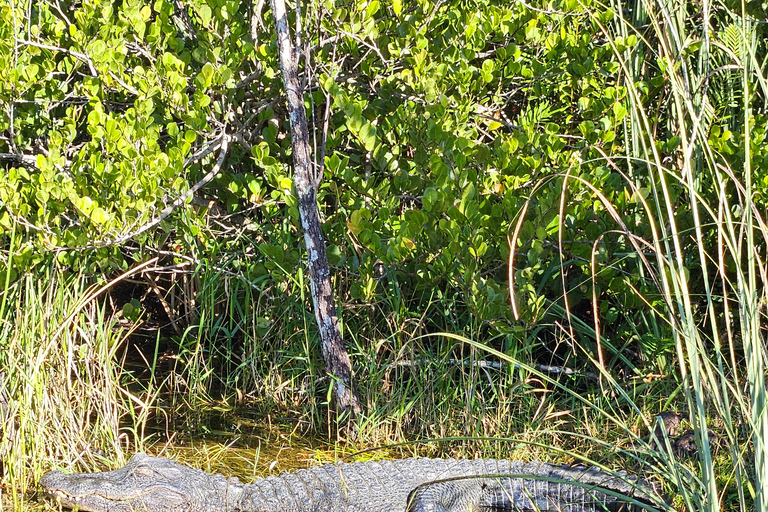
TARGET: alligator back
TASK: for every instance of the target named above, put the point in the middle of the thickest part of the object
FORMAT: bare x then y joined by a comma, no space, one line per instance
442,485
534,487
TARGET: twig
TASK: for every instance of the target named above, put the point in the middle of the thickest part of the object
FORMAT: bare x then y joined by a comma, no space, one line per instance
25,160
258,109
210,148
544,11
224,141
371,47
250,78
168,311
498,365
79,56
125,85
193,261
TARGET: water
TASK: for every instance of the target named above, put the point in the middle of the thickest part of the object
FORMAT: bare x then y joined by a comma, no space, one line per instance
234,441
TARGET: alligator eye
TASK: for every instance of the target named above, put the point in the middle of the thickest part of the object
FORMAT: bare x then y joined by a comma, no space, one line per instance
144,471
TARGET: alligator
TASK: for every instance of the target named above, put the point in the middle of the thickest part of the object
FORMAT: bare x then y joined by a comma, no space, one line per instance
156,484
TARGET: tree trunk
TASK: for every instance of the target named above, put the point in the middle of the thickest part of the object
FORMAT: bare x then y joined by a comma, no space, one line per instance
335,355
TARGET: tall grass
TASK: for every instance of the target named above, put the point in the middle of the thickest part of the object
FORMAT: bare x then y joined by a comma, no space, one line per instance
63,384
253,344
702,217
728,238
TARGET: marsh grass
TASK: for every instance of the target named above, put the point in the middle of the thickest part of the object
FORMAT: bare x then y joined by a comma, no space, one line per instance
722,363
63,381
253,345
704,225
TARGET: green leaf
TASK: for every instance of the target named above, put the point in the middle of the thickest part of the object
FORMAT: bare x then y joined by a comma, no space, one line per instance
429,198
85,204
207,75
30,72
205,14
356,120
259,151
619,111
333,163
269,133
368,136
99,216
353,224
373,8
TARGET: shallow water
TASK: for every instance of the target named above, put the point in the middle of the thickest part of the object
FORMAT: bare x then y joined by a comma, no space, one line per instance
235,442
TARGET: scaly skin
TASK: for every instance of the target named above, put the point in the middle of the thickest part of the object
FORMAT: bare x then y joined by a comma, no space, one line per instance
434,485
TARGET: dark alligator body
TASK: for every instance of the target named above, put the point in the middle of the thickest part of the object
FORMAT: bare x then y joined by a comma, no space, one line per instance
409,485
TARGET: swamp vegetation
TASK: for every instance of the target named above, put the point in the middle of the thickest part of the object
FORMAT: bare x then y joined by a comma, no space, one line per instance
545,222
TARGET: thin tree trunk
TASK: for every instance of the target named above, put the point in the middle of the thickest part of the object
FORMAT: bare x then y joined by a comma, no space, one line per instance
336,358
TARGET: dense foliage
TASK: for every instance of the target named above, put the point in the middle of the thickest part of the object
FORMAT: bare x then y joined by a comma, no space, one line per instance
449,132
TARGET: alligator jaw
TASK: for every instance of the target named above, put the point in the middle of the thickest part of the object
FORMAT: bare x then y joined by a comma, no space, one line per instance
99,502
103,499
144,484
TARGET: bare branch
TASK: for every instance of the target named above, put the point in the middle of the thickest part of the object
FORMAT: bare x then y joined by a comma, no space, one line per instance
223,143
25,160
